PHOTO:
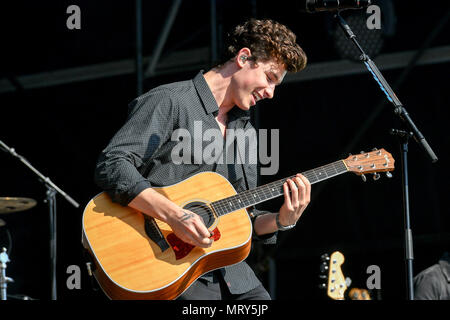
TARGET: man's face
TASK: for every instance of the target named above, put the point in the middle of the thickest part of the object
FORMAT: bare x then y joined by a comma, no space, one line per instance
257,81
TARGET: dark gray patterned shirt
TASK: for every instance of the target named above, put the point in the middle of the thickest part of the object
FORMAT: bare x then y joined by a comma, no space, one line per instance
433,283
140,155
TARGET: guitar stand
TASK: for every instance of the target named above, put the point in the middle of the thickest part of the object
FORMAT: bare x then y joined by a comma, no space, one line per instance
413,131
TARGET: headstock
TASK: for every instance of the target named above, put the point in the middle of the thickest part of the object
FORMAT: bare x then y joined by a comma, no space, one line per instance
336,283
371,162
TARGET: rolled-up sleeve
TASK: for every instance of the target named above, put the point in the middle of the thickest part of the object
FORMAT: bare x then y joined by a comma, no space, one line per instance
119,167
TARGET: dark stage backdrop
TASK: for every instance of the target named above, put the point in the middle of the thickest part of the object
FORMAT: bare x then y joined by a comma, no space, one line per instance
61,130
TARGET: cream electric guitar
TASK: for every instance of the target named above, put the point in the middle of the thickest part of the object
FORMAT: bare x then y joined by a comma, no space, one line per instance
336,284
139,257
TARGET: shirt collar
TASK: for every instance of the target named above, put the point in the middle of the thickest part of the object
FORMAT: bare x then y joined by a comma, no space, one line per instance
203,90
210,103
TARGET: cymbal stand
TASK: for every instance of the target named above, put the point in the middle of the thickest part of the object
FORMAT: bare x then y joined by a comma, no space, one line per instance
4,280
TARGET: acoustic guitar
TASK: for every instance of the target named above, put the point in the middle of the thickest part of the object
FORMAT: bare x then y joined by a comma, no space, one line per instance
139,257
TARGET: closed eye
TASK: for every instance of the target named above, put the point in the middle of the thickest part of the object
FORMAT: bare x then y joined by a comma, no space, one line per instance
272,78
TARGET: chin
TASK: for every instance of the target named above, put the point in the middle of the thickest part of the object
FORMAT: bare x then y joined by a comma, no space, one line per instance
245,108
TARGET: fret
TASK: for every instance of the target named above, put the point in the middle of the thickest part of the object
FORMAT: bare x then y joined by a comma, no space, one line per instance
255,195
246,199
330,169
320,174
268,191
311,176
336,168
217,209
341,166
230,203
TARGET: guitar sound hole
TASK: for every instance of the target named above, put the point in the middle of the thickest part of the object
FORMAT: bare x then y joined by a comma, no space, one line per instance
203,210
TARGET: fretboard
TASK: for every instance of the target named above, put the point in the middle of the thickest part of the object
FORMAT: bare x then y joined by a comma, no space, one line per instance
274,189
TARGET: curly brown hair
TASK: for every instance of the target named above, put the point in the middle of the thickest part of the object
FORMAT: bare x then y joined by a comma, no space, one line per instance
267,39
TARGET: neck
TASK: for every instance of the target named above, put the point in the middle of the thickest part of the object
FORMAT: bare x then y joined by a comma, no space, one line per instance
219,80
274,189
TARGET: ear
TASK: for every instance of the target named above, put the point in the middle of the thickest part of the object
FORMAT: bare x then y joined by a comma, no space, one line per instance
242,57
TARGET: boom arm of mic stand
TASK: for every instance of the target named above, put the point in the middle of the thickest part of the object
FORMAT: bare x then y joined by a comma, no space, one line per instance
399,109
44,179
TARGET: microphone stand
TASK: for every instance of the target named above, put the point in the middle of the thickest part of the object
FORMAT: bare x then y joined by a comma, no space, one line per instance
413,131
50,199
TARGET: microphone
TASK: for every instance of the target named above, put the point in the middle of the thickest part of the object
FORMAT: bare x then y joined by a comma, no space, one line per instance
312,6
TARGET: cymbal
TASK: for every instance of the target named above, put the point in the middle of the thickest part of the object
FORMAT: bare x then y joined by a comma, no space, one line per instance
10,204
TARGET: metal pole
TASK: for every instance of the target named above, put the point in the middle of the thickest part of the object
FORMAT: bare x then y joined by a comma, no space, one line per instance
163,37
213,31
51,201
409,255
139,66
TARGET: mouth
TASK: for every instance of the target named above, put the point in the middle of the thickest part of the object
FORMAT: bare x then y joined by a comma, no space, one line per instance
256,97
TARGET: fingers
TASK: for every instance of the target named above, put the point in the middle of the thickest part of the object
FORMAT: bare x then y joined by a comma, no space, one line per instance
287,198
195,232
306,192
300,192
296,186
204,235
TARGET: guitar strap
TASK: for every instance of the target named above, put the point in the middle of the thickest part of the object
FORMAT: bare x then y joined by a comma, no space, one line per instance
232,168
242,164
251,213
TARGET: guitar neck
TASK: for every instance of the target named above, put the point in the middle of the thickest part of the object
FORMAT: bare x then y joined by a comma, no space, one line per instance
274,189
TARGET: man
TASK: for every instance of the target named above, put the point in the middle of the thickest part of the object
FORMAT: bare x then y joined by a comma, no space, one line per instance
433,283
139,157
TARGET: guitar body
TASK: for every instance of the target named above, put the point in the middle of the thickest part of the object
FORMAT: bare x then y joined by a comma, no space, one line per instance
129,265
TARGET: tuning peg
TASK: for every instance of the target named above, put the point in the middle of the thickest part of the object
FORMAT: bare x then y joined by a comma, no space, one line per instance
388,174
376,176
323,268
363,177
322,286
325,257
374,149
323,276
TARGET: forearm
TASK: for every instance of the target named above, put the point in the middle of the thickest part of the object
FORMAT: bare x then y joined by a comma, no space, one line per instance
265,224
154,204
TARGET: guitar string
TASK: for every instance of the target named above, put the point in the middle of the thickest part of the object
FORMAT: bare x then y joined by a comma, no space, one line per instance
221,208
264,192
330,170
